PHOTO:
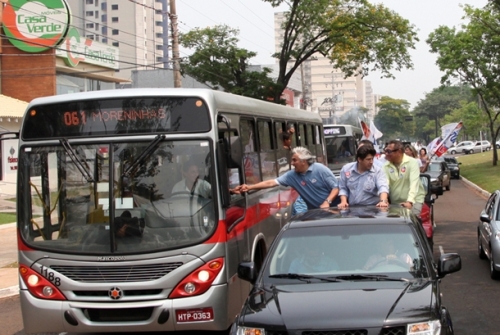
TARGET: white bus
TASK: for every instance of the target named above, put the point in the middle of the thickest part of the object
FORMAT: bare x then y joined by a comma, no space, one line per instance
125,216
341,144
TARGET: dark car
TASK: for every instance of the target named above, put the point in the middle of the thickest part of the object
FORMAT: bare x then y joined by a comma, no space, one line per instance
488,234
454,166
364,270
440,176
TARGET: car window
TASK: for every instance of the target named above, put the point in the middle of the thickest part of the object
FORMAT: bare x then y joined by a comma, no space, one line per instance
490,205
348,249
434,167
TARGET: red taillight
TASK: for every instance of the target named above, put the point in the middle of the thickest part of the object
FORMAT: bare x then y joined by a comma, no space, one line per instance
198,281
39,286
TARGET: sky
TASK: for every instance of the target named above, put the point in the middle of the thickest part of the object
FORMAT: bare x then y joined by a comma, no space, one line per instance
255,21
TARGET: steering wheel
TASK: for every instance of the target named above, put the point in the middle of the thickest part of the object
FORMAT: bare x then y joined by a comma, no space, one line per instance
392,260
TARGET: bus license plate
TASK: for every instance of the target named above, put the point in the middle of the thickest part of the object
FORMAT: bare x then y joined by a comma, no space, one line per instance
194,315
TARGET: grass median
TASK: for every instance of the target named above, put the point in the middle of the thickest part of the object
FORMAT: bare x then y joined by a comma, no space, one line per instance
7,218
479,169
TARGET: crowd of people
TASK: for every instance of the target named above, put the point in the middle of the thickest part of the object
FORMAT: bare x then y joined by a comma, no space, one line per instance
369,180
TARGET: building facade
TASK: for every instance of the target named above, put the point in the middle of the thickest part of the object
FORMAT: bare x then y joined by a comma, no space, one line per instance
136,28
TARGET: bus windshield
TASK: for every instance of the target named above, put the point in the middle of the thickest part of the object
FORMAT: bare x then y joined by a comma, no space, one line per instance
117,198
341,144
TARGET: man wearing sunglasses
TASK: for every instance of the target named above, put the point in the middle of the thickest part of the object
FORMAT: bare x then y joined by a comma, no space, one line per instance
403,175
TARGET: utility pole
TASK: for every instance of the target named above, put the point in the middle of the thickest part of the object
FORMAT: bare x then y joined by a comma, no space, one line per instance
175,44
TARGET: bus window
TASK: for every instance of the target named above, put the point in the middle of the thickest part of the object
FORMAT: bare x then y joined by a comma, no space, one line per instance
303,136
292,129
251,163
267,156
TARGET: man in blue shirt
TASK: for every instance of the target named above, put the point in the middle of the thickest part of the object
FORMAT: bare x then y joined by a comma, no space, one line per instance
314,182
362,182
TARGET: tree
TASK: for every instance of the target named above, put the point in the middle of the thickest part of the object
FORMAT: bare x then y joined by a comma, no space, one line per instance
356,35
440,102
472,54
471,115
218,61
390,119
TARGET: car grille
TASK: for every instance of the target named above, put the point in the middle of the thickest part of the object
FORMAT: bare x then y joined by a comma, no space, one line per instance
108,274
393,331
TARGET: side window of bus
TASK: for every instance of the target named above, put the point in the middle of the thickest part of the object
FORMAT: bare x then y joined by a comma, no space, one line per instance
267,155
293,130
302,136
283,152
251,165
320,157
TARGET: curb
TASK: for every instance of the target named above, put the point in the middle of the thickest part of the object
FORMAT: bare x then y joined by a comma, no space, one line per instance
9,291
475,187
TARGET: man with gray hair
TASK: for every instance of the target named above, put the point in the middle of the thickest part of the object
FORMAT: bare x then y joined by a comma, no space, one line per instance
315,183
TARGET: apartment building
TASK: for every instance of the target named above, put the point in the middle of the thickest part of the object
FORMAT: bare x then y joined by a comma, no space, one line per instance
137,28
326,90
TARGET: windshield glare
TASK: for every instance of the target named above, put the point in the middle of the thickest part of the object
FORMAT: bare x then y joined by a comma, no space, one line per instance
133,203
346,250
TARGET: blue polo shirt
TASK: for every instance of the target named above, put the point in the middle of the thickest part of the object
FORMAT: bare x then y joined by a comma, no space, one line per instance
362,188
314,186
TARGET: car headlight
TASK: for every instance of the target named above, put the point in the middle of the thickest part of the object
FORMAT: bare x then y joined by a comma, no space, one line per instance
250,331
433,180
425,328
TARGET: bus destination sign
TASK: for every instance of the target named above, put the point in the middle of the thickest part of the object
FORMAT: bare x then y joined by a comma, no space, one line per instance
334,131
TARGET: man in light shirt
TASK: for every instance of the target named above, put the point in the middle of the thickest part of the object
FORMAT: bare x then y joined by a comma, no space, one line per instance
362,182
403,174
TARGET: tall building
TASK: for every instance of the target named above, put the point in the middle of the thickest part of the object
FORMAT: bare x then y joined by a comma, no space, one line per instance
135,27
325,89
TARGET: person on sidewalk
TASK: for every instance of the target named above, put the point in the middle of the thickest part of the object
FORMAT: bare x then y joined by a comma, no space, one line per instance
314,182
362,182
403,174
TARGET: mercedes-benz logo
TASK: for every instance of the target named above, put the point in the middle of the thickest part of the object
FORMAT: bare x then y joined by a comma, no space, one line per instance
115,293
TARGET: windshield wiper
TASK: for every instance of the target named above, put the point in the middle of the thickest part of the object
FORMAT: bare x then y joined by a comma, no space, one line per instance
81,166
371,277
303,277
144,155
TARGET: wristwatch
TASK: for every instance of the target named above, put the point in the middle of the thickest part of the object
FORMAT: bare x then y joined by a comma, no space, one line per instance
329,201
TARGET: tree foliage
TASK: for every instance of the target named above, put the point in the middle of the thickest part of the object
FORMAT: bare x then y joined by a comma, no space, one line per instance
473,55
356,35
391,119
218,61
431,110
473,118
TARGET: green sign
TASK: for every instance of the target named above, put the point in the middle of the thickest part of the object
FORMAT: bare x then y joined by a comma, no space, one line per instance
35,26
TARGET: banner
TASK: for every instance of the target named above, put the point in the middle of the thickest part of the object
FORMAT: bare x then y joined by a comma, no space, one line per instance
370,133
449,134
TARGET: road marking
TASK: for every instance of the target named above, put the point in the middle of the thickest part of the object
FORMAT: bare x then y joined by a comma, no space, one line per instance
441,251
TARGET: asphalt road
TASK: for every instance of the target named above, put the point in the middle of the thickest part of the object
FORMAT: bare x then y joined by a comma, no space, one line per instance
470,294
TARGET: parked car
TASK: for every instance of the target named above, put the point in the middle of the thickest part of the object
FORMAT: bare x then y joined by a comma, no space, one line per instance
461,147
488,234
454,166
440,176
470,147
364,270
497,144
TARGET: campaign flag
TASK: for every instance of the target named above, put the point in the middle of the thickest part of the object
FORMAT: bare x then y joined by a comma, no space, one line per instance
370,133
431,147
449,134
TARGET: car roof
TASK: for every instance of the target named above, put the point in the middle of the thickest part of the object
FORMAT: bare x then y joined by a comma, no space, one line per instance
361,215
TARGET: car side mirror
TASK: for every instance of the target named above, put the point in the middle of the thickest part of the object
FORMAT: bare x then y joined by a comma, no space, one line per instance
247,271
449,263
484,218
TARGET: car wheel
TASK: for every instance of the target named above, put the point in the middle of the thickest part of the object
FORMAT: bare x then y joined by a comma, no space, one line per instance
480,250
493,272
449,186
454,152
458,176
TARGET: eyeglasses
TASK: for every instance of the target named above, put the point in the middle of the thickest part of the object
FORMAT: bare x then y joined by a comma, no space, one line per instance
389,151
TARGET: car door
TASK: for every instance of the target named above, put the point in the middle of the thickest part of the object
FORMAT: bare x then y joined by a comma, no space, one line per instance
485,231
446,174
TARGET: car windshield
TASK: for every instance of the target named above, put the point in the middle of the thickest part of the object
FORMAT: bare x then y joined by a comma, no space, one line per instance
347,250
434,167
451,161
158,193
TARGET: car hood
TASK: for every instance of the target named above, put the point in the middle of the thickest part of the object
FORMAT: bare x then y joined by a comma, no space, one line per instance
434,174
338,305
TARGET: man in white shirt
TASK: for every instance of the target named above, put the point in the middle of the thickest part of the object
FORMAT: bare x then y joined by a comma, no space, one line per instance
192,184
